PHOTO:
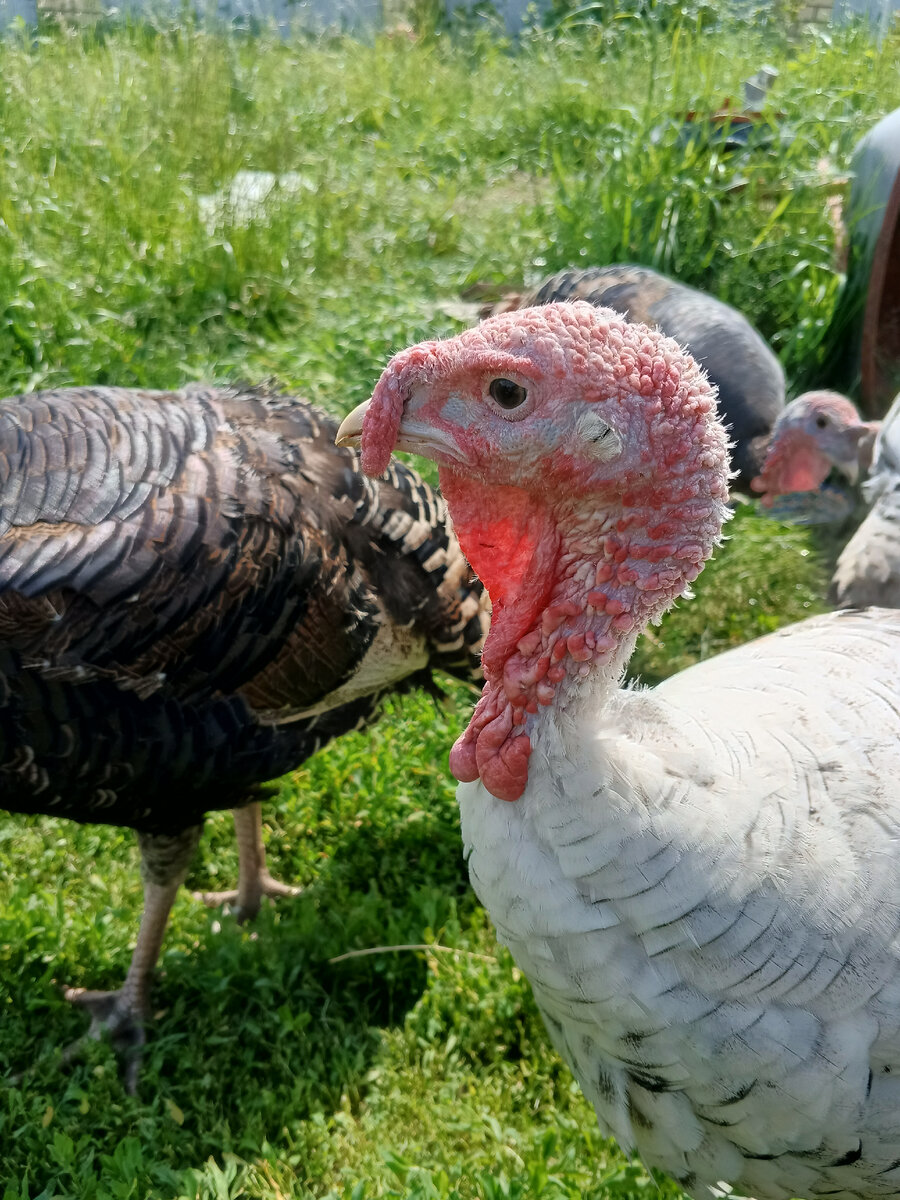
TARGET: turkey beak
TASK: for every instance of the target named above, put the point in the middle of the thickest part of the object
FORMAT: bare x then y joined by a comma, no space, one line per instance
350,432
412,436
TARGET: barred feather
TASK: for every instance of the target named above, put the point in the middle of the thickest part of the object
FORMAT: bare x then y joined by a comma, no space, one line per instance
197,591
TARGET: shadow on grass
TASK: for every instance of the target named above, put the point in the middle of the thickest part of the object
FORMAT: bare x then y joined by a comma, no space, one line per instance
254,1030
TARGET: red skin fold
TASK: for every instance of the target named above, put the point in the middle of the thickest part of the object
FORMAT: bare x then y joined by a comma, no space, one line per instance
579,547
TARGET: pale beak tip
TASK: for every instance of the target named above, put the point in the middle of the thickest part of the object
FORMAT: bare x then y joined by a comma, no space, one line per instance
851,470
350,431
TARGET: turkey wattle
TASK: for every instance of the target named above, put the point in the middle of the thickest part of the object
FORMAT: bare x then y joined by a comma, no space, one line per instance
699,880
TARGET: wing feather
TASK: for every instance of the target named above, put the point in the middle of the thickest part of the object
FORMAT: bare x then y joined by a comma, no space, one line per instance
137,527
721,930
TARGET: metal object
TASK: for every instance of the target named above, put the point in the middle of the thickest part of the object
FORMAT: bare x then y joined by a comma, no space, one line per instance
756,87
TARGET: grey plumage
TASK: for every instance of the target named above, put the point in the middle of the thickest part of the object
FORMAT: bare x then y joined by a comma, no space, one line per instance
868,570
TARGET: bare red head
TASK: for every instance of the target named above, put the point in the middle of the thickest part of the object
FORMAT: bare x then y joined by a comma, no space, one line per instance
817,431
586,473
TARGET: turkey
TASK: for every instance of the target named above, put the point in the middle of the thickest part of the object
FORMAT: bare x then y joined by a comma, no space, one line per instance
700,880
198,590
748,375
820,431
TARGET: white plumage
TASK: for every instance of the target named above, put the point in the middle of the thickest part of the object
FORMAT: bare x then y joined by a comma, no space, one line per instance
704,897
868,570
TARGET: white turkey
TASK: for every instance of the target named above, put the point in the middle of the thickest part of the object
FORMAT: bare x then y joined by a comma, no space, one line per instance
198,590
820,431
701,881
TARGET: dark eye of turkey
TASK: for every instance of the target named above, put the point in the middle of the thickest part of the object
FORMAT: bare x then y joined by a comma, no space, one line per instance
507,394
822,422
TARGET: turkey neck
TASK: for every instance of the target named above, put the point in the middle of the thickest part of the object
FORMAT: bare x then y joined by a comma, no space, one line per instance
573,580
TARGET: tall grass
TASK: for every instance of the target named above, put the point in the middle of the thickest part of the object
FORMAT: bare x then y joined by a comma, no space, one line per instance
426,166
504,166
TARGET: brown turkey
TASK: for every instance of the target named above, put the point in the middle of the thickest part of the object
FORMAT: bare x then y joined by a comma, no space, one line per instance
198,590
746,372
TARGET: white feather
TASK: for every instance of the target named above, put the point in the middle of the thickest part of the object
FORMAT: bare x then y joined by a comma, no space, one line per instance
701,883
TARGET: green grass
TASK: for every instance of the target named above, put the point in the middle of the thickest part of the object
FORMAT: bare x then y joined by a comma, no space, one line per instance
272,1072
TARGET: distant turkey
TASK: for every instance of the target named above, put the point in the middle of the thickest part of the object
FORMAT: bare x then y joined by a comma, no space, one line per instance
197,591
748,375
821,431
701,880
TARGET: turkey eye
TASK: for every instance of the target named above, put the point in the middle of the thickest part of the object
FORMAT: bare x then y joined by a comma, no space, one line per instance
507,394
822,422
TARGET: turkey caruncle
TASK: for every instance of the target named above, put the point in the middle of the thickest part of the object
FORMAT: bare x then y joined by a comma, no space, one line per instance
700,880
198,590
739,362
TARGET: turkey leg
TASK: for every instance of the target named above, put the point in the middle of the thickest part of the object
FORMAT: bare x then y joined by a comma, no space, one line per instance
254,880
122,1014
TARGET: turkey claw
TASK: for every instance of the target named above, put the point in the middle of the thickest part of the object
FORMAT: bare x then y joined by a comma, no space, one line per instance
113,1017
245,908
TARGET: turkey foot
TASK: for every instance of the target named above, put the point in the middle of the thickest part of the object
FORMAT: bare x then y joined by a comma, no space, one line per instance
254,880
119,1016
122,1014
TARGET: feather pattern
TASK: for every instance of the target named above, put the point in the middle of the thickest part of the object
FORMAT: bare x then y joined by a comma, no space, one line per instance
714,959
198,590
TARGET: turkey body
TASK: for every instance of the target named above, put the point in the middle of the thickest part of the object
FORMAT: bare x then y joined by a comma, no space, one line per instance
746,372
868,570
197,591
722,961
